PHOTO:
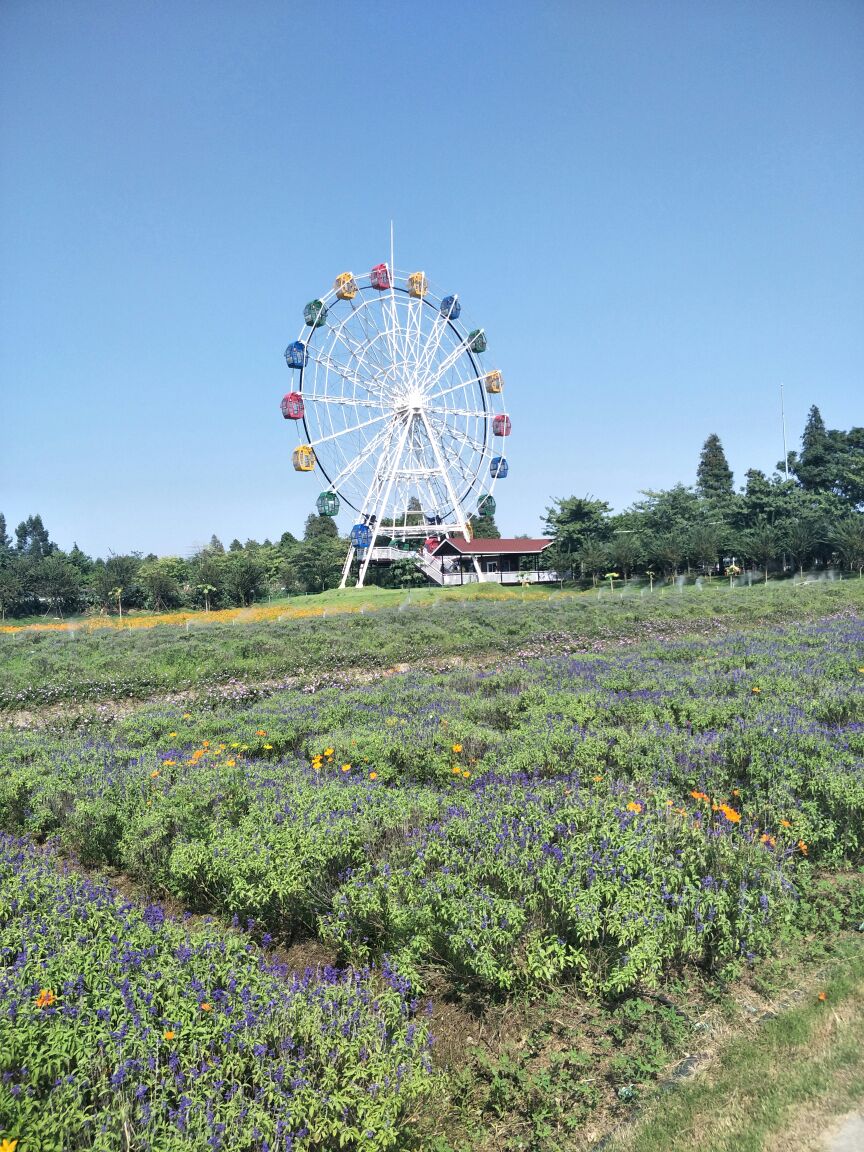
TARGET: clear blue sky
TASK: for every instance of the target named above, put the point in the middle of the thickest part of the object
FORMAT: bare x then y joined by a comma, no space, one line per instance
656,210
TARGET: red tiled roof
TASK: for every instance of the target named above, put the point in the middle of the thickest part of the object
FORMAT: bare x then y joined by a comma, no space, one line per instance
496,547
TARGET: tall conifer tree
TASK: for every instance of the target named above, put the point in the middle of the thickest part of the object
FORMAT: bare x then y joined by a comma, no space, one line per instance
714,476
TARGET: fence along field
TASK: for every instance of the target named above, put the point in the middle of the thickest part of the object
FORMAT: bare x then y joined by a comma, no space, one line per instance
607,825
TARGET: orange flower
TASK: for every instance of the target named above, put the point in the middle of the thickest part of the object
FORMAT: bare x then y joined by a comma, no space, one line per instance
803,847
205,1007
699,796
260,732
785,824
373,775
766,839
597,779
736,791
154,773
206,743
168,1035
634,807
456,770
822,996
730,813
45,998
457,748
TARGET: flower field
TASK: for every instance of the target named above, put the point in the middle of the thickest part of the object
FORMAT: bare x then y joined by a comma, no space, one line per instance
600,821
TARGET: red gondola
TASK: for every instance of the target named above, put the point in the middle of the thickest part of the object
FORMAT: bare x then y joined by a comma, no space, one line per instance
501,425
292,406
380,277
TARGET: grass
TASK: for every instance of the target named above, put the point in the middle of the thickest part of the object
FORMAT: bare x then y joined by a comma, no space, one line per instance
373,629
780,1083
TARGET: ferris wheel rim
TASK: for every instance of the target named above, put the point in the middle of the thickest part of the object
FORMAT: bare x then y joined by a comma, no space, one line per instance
460,473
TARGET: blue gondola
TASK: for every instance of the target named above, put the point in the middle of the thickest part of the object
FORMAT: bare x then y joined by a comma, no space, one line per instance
296,355
498,467
450,308
361,535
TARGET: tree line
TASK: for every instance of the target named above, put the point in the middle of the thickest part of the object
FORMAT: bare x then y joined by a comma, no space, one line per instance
811,518
807,514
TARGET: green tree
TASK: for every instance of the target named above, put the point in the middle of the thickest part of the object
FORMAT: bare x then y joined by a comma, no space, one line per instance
849,541
801,538
763,543
485,528
31,538
320,528
317,564
593,558
572,522
714,476
244,578
161,578
11,590
58,582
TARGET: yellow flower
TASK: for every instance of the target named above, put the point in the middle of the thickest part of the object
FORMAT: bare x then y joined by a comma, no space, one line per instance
597,779
346,767
457,748
230,763
634,807
456,770
8,1145
169,763
756,690
466,774
328,752
187,715
268,747
168,1035
373,775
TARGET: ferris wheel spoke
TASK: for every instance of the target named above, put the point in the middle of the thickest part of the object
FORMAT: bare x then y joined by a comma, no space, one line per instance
449,360
461,438
457,510
433,343
347,431
341,370
344,401
353,465
442,392
363,351
477,413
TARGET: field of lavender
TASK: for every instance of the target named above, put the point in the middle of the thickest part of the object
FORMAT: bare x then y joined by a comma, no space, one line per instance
594,825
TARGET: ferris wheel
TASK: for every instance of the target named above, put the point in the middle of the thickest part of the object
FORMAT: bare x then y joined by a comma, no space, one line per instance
396,410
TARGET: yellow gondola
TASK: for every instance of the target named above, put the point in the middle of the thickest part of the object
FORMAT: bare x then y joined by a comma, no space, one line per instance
303,458
494,382
418,285
345,286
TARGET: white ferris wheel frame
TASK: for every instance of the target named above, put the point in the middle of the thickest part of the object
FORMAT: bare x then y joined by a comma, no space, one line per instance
395,406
